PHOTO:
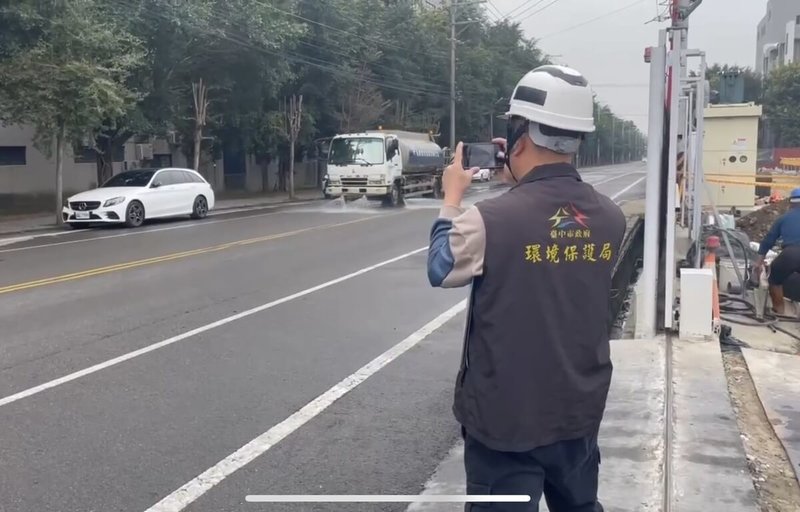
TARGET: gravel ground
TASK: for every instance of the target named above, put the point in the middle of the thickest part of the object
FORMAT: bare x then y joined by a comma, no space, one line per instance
772,472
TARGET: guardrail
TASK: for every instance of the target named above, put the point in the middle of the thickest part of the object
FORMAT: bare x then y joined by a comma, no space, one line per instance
631,253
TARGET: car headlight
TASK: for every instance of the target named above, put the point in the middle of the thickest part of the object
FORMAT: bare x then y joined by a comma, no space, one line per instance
377,180
113,201
334,180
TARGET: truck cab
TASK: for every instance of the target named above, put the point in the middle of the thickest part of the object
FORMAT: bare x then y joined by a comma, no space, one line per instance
383,165
362,165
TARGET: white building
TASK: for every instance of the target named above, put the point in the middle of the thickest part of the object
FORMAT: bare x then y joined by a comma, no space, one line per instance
778,38
26,171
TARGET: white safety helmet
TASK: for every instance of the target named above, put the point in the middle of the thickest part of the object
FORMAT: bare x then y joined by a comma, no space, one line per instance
554,96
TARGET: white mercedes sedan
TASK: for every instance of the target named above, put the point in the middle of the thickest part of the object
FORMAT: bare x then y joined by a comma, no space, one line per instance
132,196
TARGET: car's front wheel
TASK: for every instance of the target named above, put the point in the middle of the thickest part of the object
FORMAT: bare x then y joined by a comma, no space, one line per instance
134,215
200,208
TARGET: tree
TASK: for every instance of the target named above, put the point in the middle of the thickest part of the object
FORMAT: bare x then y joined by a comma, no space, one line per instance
294,117
356,63
364,105
200,96
70,79
782,105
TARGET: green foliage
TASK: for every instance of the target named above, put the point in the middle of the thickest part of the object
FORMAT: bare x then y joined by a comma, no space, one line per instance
114,69
69,70
752,80
782,105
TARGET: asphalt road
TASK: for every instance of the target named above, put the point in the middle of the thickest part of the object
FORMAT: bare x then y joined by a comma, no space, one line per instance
185,365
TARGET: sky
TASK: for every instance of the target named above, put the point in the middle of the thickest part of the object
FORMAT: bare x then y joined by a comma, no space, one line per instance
610,50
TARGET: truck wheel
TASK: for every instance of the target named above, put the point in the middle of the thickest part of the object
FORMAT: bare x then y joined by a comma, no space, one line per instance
438,193
395,197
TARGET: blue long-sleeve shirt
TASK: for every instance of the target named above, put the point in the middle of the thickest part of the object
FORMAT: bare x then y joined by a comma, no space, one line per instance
458,244
786,229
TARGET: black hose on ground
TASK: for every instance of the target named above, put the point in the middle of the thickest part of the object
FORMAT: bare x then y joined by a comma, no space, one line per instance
744,314
787,332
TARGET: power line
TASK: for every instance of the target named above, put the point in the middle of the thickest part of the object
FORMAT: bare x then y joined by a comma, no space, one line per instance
309,61
353,34
522,7
494,8
538,11
422,86
587,22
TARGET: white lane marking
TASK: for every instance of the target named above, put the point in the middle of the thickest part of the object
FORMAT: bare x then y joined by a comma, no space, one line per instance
142,232
387,498
612,178
50,234
15,240
628,188
199,330
192,490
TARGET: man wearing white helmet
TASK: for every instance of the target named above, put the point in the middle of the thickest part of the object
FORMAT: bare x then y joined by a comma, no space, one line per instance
536,369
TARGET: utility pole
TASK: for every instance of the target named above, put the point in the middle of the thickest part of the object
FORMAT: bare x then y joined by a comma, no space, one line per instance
452,75
681,9
613,139
625,148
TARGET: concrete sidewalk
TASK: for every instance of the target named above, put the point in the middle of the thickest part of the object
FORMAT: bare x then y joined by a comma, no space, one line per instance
13,224
708,462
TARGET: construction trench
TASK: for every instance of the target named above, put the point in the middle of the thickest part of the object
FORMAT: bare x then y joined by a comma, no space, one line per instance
742,306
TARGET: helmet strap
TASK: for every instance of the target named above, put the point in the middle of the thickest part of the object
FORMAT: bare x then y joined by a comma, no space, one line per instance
512,137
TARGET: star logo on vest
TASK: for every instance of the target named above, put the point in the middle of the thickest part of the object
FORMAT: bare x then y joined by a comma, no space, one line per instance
569,222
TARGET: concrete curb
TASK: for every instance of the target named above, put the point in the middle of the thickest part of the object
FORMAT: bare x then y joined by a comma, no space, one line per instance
55,228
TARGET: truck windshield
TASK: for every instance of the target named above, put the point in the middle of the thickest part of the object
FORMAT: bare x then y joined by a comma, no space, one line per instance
357,150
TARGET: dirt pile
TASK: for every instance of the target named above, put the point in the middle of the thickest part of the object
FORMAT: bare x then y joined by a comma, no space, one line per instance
757,223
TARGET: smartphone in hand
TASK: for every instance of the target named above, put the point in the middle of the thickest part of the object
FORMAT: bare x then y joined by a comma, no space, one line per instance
483,155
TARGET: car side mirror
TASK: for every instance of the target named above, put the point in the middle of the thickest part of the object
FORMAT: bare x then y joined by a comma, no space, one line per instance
155,184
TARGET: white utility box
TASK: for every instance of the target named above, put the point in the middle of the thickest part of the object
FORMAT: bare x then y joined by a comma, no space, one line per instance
697,295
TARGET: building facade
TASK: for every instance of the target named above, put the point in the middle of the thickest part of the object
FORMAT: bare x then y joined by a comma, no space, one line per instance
25,171
778,37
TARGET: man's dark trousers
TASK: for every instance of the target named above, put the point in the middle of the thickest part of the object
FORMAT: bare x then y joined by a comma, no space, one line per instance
565,472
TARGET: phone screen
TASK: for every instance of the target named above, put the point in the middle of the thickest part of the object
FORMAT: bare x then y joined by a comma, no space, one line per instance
483,155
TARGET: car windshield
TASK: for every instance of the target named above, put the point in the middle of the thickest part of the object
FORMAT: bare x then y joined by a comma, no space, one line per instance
135,178
357,150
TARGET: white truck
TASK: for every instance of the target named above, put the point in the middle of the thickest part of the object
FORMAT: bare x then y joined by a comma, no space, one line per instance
388,165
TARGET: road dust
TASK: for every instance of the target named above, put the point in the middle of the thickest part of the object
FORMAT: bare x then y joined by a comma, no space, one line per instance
361,206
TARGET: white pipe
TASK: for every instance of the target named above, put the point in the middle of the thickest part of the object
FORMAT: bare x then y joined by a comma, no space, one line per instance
687,155
674,129
646,327
699,187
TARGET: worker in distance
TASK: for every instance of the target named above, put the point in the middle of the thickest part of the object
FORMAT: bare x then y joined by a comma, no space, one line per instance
786,229
536,367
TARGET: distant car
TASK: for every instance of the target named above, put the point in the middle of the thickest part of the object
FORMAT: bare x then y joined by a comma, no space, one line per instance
483,175
644,160
132,196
